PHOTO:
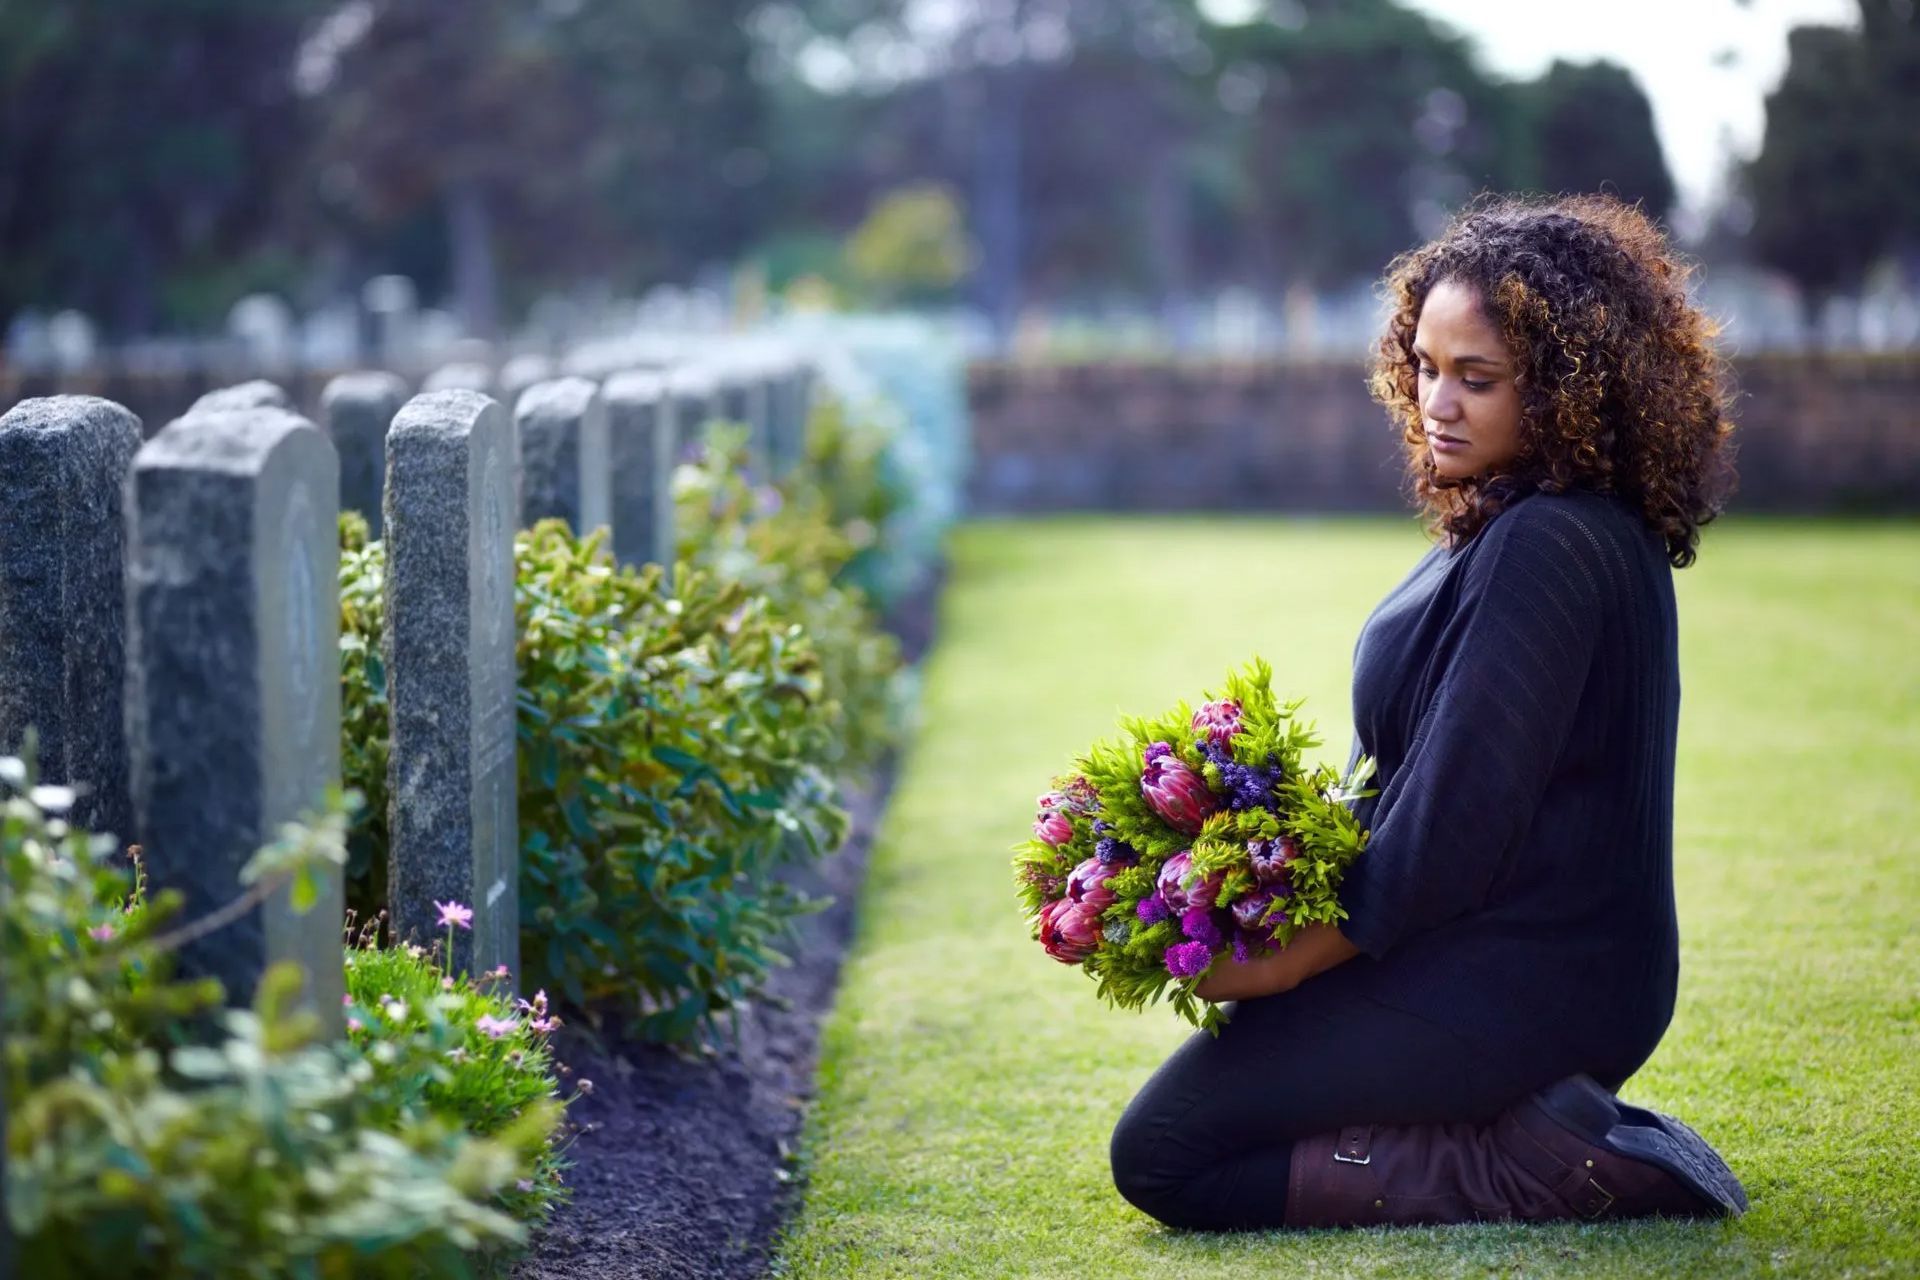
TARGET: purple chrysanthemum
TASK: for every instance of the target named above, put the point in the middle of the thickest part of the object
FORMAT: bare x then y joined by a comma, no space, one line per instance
1153,909
1198,924
1187,959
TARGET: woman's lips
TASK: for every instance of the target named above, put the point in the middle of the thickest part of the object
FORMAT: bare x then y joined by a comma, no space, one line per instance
1446,444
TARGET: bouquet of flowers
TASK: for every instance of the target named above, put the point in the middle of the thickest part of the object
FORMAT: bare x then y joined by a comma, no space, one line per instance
1196,834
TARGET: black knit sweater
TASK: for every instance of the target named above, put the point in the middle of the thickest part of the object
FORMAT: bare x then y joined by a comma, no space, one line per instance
1521,694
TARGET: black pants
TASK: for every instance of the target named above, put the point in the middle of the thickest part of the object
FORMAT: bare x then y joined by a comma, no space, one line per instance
1204,1145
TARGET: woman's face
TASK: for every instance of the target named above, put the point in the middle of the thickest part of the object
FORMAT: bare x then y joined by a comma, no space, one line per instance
1469,402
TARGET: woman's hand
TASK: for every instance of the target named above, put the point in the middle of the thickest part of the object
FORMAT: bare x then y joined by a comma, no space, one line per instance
1315,949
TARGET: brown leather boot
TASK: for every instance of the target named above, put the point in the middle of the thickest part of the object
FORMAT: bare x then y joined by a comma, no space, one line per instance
1570,1151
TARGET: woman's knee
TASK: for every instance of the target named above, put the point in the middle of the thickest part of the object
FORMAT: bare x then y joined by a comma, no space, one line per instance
1150,1168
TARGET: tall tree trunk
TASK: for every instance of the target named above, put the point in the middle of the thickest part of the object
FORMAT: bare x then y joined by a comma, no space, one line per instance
476,279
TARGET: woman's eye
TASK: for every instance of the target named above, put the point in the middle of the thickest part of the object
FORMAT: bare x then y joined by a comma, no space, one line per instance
1471,385
1427,373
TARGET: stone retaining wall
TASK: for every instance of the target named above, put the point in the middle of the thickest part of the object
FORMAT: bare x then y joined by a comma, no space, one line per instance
1815,433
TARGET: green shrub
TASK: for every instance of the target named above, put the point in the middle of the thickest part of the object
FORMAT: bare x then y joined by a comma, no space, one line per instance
791,547
671,741
365,734
134,1152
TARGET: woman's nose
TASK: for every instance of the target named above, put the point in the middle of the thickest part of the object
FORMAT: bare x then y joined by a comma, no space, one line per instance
1442,404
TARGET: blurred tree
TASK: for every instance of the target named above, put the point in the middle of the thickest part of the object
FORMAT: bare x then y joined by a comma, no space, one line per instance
143,144
1590,127
461,106
1366,125
616,140
1891,30
912,248
1822,211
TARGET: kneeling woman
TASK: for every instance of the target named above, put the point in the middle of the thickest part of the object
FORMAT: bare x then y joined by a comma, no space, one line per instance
1510,956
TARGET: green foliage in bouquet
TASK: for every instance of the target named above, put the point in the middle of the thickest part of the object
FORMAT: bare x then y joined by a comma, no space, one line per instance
138,1145
673,736
793,546
1216,787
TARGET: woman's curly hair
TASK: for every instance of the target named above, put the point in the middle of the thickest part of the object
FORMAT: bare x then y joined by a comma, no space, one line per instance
1621,389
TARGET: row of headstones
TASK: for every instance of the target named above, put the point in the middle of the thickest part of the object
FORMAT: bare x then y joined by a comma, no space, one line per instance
169,625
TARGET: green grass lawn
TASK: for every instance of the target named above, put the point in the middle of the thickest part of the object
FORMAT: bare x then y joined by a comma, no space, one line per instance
968,1084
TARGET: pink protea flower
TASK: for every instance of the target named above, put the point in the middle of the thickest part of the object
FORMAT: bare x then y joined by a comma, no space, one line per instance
1176,792
1087,885
1179,897
1219,720
1270,858
1248,911
1053,827
1069,931
1079,796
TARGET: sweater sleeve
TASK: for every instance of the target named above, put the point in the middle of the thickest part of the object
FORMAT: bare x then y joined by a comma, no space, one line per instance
1511,663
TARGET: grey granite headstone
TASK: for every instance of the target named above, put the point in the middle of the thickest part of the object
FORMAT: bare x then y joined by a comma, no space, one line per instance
357,409
521,372
695,396
788,408
233,687
758,383
733,405
64,463
452,816
466,375
564,464
258,394
640,425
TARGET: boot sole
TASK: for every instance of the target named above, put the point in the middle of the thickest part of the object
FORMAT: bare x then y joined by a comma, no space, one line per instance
1580,1105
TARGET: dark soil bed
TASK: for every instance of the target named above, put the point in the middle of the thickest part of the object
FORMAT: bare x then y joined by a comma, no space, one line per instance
682,1166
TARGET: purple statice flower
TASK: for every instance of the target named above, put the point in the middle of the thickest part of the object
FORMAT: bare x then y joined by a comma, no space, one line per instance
1110,851
1154,909
1101,826
1248,786
1188,959
1216,753
1197,923
1155,750
1241,951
